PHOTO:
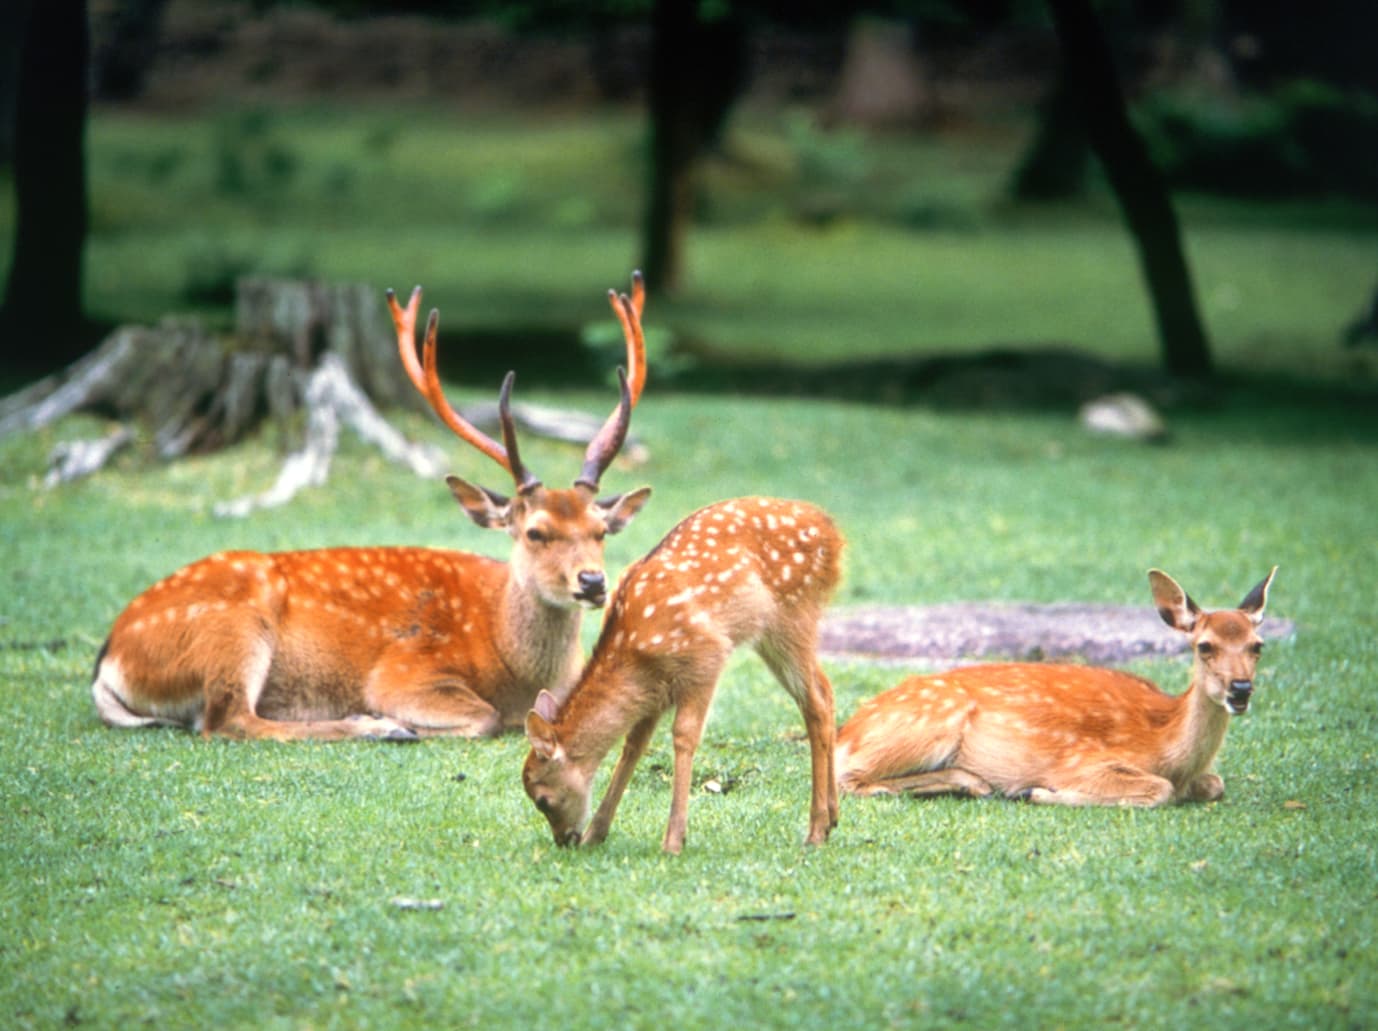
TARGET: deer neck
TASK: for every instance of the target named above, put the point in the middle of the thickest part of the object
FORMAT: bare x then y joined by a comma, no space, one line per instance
1196,735
604,705
539,642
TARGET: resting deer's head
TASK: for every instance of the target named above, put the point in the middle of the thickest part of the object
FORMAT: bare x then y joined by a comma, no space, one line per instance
1225,644
557,533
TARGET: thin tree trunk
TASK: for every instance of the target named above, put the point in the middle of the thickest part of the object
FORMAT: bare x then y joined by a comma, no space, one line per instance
697,71
41,321
1139,188
1054,167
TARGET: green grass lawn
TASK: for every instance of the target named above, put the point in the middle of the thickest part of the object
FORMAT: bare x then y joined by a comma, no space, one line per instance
155,879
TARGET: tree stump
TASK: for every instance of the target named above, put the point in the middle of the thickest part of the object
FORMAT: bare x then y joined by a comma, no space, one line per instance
325,350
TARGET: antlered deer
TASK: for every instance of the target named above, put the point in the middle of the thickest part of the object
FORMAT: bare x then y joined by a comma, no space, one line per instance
754,571
1064,735
385,642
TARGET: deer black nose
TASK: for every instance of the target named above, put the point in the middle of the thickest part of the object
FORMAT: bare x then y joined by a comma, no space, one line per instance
592,582
1241,687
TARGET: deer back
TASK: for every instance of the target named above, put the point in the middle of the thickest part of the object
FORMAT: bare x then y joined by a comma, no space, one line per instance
726,575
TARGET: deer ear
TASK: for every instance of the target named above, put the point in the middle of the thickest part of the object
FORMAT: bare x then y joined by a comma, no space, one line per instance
1174,604
485,507
1257,599
542,736
547,706
621,509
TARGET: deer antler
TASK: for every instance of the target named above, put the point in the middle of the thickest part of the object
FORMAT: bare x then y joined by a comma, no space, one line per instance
628,312
426,379
526,482
608,441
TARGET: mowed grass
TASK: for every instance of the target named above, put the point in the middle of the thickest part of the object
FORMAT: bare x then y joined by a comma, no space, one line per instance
156,878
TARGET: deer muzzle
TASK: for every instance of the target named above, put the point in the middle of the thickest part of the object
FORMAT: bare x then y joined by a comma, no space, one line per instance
1238,695
593,588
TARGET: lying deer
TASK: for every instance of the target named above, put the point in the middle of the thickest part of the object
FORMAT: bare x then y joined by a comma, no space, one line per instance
1064,735
752,571
386,642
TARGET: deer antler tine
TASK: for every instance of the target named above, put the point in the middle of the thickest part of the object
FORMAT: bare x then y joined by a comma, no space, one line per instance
604,447
426,379
628,312
525,481
405,322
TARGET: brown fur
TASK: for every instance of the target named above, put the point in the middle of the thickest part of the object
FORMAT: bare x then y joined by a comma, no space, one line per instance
1072,735
753,571
384,642
350,642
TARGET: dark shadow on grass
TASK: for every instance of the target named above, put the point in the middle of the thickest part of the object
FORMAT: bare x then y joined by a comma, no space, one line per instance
1018,377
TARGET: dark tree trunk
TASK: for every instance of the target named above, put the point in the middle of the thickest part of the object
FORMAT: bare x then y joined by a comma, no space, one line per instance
1139,188
41,321
1054,168
697,70
125,49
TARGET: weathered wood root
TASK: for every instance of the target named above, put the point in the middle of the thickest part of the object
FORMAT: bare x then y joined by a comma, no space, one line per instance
331,397
297,345
73,459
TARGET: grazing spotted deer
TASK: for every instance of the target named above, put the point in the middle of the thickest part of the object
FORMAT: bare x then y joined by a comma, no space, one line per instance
1064,735
385,642
754,571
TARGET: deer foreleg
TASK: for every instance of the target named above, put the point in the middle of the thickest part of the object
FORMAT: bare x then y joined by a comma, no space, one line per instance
632,750
1206,788
433,708
1107,783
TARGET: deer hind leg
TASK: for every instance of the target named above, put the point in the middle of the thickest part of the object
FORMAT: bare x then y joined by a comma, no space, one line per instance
795,667
632,750
1109,782
120,706
234,686
888,749
950,780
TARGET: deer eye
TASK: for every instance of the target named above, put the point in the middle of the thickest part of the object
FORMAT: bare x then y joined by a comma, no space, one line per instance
1205,649
543,804
1256,648
536,536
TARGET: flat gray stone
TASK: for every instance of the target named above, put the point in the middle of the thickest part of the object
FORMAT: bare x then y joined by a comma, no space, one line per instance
969,631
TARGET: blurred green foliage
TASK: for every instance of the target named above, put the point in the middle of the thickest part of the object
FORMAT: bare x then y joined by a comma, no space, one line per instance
1302,139
812,243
